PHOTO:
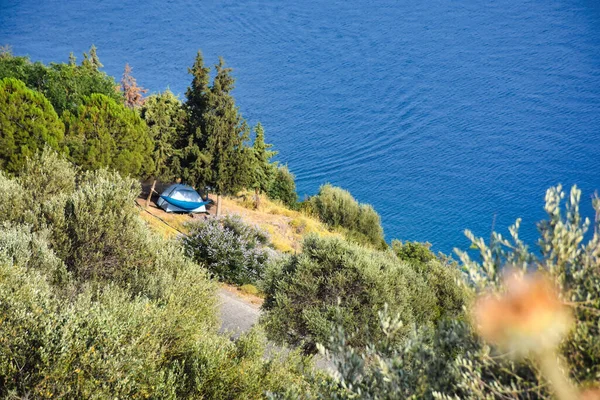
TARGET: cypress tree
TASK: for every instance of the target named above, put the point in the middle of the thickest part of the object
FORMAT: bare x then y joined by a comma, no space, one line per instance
72,60
263,170
92,60
190,156
165,118
226,132
197,96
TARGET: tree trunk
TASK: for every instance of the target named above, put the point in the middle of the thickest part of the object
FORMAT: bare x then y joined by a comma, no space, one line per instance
256,199
150,194
218,205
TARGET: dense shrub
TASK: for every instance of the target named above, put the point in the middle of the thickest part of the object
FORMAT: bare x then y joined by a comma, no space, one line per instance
46,175
304,290
451,361
232,250
103,344
28,123
93,305
12,199
413,251
283,187
441,274
337,208
20,246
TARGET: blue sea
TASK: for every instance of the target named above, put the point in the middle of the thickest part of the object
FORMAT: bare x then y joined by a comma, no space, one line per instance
444,115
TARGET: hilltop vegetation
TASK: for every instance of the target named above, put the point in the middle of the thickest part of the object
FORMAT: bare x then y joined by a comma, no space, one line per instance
94,305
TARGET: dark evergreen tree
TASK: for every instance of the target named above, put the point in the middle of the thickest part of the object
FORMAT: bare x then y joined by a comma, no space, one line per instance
104,133
213,152
197,97
72,60
165,118
229,164
92,60
190,157
28,123
262,170
283,187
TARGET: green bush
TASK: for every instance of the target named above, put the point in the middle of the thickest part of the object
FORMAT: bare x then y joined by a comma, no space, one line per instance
283,187
413,251
92,305
46,175
451,361
13,201
103,344
230,249
337,208
20,246
303,291
441,275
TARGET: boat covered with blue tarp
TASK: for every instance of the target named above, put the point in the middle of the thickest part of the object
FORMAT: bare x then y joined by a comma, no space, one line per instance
181,198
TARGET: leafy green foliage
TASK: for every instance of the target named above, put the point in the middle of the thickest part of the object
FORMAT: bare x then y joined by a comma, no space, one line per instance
413,251
263,170
93,305
165,117
304,290
103,344
12,199
65,85
47,174
337,208
214,152
232,250
451,361
283,187
226,133
104,133
28,123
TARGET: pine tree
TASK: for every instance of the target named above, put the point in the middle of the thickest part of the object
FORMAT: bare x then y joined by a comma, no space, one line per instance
104,133
72,60
92,60
134,94
96,64
263,170
28,123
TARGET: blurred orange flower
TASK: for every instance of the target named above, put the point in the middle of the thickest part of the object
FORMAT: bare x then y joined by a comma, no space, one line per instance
590,394
527,317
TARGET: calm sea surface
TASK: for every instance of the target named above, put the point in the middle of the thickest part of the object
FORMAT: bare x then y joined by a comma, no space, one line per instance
442,114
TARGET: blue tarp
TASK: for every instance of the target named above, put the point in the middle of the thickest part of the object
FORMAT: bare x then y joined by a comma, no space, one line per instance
185,205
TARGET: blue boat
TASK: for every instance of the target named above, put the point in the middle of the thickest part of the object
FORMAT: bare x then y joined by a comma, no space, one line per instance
181,198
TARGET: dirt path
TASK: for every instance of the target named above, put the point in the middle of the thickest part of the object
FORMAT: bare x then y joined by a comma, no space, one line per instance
237,314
